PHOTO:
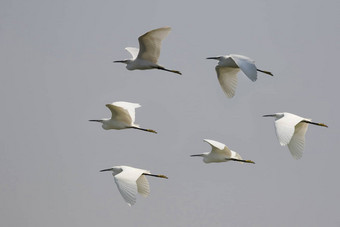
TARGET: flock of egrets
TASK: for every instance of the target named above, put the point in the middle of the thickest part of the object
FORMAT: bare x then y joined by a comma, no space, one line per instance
290,128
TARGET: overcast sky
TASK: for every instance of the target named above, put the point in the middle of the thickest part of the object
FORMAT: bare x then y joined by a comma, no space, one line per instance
57,73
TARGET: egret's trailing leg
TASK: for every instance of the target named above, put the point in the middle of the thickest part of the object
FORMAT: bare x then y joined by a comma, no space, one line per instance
240,160
155,175
144,129
169,70
315,123
266,72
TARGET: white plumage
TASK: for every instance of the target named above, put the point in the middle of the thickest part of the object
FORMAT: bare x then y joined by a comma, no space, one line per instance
220,153
146,57
228,67
290,130
123,116
130,180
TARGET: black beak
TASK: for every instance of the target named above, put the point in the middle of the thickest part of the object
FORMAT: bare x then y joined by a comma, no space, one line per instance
96,120
103,170
269,115
196,155
215,58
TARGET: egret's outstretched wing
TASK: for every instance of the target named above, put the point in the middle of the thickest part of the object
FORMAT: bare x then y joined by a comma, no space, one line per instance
218,147
150,44
285,127
133,51
246,65
120,114
297,143
143,186
123,111
130,107
228,79
126,183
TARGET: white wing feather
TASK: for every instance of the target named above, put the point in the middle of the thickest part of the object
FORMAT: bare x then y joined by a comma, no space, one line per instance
227,77
297,143
129,107
150,44
143,186
218,147
126,183
133,51
247,66
120,114
285,127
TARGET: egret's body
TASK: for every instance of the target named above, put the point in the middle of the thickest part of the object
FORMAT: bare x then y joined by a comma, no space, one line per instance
291,130
131,180
146,57
228,67
123,117
220,153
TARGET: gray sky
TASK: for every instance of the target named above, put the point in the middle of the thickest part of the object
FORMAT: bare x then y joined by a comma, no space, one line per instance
57,73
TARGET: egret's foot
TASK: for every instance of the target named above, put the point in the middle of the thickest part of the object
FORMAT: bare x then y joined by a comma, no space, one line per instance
150,130
323,125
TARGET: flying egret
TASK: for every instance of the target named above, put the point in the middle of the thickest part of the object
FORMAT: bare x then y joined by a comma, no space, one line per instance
291,130
228,67
131,180
123,116
220,153
147,56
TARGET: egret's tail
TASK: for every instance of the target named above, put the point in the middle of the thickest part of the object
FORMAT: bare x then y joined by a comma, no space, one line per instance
266,72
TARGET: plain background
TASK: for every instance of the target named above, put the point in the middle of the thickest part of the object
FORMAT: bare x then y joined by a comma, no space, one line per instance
57,73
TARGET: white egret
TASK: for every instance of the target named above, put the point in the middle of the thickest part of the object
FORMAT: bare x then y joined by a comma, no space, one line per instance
228,67
291,130
220,153
131,180
146,57
123,116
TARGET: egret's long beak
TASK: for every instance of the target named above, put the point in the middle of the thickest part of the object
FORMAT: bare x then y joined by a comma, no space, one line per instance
269,115
103,170
196,155
216,58
101,121
120,61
